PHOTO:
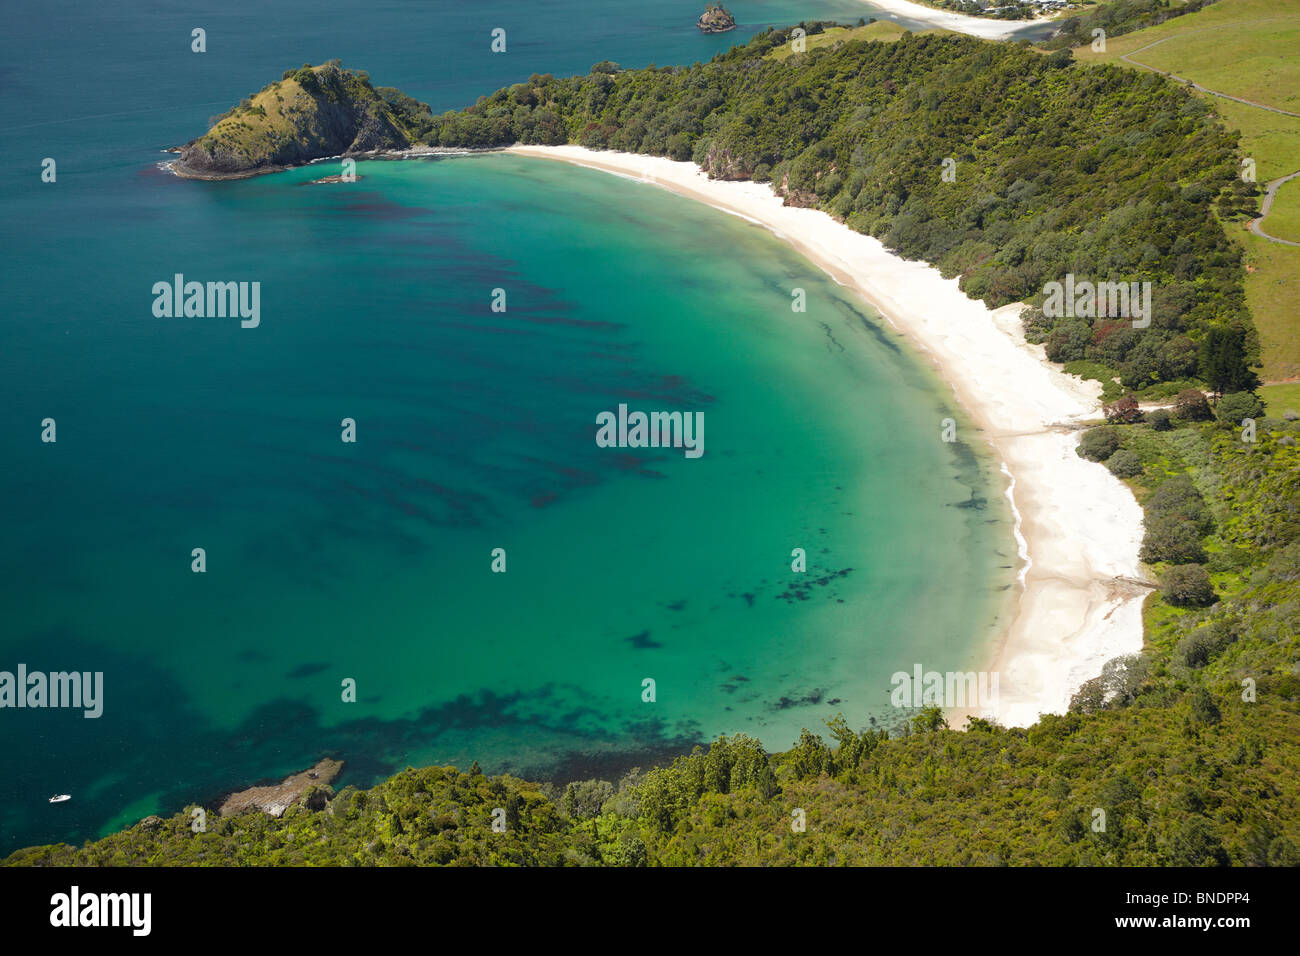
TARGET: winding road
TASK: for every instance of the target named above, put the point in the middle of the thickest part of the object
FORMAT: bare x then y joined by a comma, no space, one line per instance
1270,193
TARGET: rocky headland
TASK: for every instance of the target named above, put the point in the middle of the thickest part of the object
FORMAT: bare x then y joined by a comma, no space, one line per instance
277,798
310,113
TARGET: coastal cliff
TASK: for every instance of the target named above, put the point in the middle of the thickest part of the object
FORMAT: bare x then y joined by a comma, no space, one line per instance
310,113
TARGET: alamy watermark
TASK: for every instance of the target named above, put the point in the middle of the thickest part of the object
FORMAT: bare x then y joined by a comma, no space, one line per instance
1089,300
76,689
923,688
652,430
128,910
213,300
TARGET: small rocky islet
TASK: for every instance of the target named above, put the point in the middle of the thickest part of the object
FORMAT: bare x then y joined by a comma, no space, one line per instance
716,19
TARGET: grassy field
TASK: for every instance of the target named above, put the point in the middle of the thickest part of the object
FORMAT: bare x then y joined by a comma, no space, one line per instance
1272,289
1246,48
1284,219
885,30
1281,398
1271,139
1243,47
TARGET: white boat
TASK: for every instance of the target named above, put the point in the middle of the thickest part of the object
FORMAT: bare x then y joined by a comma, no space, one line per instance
60,797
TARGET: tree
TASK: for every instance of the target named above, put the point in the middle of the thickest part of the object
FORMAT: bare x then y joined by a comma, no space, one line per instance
1125,464
1187,585
1223,362
1179,498
1121,676
583,799
1099,443
1204,709
1173,539
929,720
1124,411
1117,684
1089,698
1190,406
810,756
1195,843
1236,406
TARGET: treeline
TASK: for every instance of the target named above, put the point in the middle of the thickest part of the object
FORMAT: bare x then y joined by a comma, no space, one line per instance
992,161
1184,754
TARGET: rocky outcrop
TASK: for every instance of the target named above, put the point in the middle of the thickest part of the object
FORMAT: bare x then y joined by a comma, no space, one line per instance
716,19
802,198
721,163
279,797
334,179
310,113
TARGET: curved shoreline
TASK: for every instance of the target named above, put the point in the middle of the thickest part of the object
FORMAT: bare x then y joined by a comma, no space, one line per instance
986,28
1078,527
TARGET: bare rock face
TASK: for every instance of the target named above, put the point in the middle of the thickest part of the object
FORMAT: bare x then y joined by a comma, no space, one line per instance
716,19
279,797
801,198
721,163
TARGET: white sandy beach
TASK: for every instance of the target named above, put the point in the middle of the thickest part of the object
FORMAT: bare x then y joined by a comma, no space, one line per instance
1079,527
985,27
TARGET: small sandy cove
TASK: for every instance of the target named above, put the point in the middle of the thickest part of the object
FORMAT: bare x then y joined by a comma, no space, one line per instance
1079,528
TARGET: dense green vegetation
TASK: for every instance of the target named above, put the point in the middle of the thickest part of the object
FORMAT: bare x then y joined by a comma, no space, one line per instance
1056,168
1188,749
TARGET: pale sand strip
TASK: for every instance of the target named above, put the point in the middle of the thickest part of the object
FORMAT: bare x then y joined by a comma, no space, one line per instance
986,27
1079,527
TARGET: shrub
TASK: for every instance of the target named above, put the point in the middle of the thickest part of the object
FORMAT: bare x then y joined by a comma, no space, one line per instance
1178,498
1173,539
1191,406
1125,464
1235,406
1194,842
583,799
1161,420
679,147
1187,585
1099,443
1204,709
1125,411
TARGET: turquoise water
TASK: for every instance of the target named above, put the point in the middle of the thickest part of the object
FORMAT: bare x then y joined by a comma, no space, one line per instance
371,561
